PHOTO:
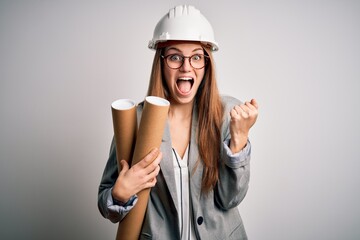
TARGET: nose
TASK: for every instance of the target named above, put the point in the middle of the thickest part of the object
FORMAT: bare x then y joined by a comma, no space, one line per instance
186,66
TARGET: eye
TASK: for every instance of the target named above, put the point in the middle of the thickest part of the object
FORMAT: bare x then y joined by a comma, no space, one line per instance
175,58
197,57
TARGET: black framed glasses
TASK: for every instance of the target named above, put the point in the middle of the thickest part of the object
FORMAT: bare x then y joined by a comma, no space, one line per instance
175,61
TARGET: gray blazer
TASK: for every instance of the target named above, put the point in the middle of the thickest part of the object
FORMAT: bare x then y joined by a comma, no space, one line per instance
215,215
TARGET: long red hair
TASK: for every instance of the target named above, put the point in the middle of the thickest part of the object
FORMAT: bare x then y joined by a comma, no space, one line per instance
210,117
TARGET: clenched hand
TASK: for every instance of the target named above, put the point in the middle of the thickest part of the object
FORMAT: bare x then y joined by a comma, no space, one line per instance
243,117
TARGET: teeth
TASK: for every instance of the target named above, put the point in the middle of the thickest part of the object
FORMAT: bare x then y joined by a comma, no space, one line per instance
185,79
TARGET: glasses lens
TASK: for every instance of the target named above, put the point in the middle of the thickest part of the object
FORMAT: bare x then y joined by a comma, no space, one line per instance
197,61
175,61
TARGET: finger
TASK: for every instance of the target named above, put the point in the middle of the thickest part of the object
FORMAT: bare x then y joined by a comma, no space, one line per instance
233,113
154,173
245,110
238,109
244,114
152,155
155,164
254,103
150,183
241,111
148,158
250,106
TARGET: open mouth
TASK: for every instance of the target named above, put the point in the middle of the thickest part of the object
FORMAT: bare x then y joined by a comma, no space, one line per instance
185,84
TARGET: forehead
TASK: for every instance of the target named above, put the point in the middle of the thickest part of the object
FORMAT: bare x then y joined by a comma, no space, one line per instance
185,47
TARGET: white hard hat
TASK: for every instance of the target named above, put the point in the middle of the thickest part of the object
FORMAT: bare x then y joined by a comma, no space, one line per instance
184,23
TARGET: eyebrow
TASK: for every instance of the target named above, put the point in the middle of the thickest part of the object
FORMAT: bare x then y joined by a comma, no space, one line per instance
176,49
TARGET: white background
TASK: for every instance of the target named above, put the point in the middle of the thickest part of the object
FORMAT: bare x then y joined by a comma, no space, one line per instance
62,63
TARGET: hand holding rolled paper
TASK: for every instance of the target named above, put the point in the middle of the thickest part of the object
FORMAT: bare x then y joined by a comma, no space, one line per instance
142,175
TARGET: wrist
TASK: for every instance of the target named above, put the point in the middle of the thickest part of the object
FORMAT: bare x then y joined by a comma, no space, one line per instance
237,143
119,197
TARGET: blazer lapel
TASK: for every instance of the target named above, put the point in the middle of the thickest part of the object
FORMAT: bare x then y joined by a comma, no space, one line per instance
195,164
167,166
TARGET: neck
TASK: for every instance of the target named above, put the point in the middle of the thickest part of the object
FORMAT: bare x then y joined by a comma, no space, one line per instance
181,111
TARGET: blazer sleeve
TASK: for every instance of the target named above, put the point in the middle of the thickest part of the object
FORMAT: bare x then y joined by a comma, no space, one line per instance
109,207
234,169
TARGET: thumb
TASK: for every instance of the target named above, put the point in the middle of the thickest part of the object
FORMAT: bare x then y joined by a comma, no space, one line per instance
124,165
254,103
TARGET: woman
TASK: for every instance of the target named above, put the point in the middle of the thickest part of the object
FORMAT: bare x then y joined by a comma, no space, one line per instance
201,171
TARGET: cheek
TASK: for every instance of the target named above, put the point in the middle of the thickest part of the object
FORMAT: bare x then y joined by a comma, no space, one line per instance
166,75
201,75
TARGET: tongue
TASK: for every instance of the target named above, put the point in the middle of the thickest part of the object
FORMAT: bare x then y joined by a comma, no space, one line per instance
184,86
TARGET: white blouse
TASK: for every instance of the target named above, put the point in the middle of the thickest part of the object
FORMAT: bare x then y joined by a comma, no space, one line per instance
182,181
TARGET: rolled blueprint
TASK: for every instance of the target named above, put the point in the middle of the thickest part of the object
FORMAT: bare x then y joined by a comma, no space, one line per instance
125,128
149,136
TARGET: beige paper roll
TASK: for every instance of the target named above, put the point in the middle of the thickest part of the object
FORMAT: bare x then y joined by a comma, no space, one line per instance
125,128
150,134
